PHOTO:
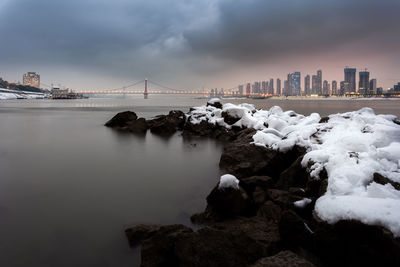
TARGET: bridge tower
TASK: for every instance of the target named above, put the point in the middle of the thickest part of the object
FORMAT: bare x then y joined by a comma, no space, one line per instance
145,89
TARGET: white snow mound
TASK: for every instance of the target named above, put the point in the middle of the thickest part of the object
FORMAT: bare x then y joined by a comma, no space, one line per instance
228,181
350,146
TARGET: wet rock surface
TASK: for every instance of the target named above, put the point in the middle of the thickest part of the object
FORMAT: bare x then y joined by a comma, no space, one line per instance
258,223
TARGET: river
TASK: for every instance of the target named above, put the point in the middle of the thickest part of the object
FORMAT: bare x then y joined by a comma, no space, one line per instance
69,185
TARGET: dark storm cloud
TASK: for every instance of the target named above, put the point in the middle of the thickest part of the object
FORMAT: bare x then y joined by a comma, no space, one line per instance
262,29
189,37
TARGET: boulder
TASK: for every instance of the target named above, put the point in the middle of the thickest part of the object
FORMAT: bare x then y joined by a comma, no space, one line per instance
294,176
230,202
159,249
201,129
239,242
294,231
167,124
249,184
380,179
122,119
229,119
352,243
282,197
215,102
283,258
270,211
136,234
138,126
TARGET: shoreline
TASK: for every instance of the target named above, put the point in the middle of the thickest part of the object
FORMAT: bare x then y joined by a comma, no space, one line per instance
270,206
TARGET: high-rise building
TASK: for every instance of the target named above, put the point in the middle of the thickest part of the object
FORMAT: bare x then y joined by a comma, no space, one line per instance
372,86
319,76
350,78
271,87
314,87
396,87
31,79
286,89
264,87
326,88
344,88
334,88
248,89
294,83
307,86
240,87
363,84
278,86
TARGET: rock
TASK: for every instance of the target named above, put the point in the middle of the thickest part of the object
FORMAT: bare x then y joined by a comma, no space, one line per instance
229,119
324,120
138,233
230,202
352,243
138,126
269,210
259,196
201,129
167,124
216,103
249,184
122,119
283,258
380,179
282,197
294,231
233,243
159,249
297,191
243,159
294,176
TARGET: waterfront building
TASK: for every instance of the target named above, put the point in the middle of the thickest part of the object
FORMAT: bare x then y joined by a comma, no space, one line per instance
271,87
334,88
31,79
350,79
248,87
294,87
344,88
379,90
363,84
319,76
286,90
307,86
278,86
325,88
314,87
240,87
396,87
372,86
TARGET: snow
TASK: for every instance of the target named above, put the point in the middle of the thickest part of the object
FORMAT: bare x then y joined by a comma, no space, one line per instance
228,181
302,203
350,146
15,94
214,100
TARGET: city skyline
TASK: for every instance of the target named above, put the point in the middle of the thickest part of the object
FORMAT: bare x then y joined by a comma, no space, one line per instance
91,44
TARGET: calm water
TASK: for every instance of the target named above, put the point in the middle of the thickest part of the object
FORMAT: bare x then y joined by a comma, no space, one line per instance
68,185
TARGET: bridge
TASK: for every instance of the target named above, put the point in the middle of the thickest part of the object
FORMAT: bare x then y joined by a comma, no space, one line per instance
159,89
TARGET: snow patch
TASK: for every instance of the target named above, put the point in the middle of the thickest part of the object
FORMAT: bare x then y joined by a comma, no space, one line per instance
228,181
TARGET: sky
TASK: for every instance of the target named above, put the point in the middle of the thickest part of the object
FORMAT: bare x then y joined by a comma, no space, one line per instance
190,44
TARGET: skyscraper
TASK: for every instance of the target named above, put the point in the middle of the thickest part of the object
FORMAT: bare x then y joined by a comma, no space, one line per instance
334,88
319,76
278,86
372,86
248,89
271,87
31,79
363,84
307,87
350,78
240,89
314,85
264,87
294,83
326,88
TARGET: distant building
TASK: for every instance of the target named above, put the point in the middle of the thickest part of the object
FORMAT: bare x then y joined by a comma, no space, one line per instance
286,89
363,84
344,88
314,85
264,87
396,87
326,88
294,83
278,86
372,86
240,87
31,79
248,89
307,85
350,79
271,87
379,90
334,88
319,76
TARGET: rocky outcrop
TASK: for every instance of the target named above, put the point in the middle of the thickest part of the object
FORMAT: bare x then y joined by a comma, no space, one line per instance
136,234
167,124
283,258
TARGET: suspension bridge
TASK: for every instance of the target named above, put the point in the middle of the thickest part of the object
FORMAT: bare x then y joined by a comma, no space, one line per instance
149,87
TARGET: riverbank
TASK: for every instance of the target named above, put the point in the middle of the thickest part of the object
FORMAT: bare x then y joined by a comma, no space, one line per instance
274,207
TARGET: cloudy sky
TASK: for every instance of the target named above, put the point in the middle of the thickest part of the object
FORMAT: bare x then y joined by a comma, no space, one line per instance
187,44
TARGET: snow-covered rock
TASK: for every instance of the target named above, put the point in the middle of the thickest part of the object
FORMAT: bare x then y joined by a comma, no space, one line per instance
350,146
228,181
